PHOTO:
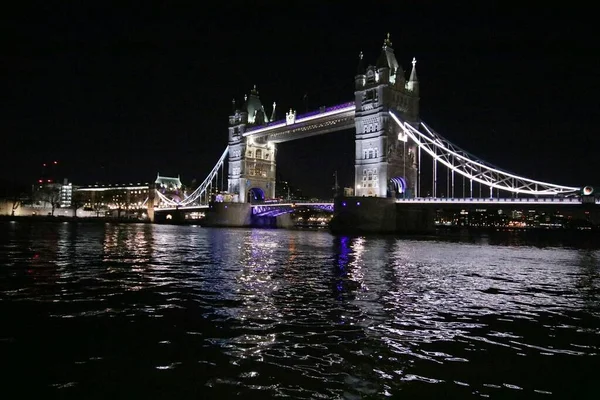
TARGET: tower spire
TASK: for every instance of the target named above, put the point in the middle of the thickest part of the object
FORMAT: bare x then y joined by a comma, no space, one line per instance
387,42
386,58
360,70
273,114
413,81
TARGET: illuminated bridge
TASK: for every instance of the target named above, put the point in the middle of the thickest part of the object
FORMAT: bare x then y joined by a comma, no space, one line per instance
271,209
398,156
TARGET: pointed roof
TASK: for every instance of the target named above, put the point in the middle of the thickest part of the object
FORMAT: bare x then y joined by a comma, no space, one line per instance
387,59
413,73
168,181
252,105
273,113
413,82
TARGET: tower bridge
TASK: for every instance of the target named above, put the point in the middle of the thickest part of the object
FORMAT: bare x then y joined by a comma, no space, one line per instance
398,157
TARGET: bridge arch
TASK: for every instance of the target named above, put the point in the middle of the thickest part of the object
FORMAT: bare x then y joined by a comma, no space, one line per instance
255,194
397,187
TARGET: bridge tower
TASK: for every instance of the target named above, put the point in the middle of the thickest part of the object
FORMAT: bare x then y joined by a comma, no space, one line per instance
386,163
251,176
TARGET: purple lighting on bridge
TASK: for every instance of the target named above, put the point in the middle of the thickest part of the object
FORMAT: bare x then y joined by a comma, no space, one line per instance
322,110
275,210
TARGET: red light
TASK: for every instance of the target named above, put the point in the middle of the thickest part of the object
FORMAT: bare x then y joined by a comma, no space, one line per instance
49,180
55,162
44,164
40,181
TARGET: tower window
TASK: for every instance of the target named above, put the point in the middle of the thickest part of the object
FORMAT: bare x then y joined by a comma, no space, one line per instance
259,153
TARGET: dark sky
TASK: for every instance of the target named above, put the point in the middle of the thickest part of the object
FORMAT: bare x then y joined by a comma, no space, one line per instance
118,93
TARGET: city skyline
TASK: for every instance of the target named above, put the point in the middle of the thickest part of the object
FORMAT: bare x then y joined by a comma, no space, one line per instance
122,94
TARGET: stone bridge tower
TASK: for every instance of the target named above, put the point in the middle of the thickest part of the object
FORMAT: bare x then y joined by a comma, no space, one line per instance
386,160
251,175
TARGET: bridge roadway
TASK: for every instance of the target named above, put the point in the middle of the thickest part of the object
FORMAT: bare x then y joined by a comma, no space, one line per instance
263,207
570,201
257,208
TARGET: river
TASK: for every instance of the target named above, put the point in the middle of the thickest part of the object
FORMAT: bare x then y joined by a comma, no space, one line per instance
161,311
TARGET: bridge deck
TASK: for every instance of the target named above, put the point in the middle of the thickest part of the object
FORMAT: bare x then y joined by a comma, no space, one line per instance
415,200
532,201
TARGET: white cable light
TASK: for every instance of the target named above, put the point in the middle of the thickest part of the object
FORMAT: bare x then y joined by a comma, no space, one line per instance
203,186
498,178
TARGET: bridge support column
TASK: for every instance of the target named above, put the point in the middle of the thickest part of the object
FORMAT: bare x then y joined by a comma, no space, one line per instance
380,215
150,203
229,214
283,221
363,215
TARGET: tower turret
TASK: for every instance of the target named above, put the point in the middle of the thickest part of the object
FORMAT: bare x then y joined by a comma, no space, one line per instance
255,109
413,82
387,65
273,115
360,78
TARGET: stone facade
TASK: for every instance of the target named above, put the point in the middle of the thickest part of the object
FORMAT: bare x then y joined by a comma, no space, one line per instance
251,161
385,160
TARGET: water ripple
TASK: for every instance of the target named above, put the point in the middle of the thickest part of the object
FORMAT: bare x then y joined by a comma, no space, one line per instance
142,309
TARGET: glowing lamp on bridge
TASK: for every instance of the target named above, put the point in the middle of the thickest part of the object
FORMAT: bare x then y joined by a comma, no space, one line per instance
588,190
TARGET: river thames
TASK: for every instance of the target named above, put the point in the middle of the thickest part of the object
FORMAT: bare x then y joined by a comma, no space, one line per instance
160,311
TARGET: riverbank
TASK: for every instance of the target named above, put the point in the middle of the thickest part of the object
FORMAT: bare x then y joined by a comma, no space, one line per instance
50,218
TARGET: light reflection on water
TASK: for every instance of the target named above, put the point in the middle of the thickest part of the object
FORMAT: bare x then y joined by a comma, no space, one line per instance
135,309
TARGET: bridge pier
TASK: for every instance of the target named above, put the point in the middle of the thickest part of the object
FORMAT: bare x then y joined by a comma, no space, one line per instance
229,215
283,221
380,215
240,215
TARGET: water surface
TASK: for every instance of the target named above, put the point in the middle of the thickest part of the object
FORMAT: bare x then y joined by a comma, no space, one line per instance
109,310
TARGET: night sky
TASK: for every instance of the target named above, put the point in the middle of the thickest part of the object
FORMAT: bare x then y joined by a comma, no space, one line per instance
117,93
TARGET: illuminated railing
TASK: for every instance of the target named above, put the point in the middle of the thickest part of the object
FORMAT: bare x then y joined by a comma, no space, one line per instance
321,113
184,208
275,209
532,201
